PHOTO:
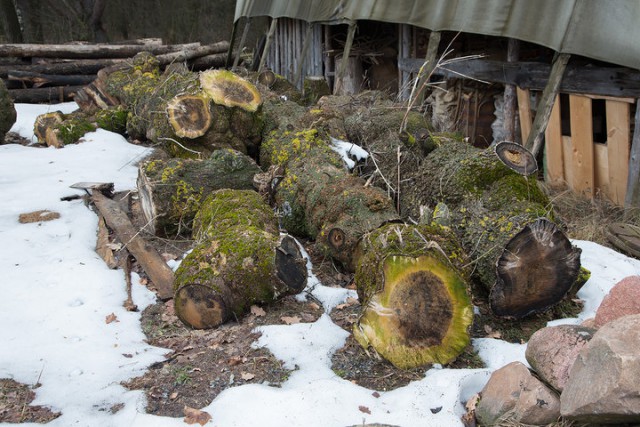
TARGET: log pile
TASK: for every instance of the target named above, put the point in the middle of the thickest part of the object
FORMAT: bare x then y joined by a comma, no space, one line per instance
36,73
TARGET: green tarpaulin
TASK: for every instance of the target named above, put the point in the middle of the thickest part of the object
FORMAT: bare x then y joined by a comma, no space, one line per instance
605,30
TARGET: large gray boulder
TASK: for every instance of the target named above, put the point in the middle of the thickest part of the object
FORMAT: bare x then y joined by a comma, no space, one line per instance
513,394
551,351
623,299
7,112
604,382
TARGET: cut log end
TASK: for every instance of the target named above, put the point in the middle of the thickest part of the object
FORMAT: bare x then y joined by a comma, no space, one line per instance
422,316
189,115
535,271
45,122
516,157
228,89
291,266
200,307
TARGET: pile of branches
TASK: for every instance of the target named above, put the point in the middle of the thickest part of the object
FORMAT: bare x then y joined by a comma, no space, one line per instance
36,73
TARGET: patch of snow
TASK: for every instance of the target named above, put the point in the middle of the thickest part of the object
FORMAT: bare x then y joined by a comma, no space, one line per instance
348,151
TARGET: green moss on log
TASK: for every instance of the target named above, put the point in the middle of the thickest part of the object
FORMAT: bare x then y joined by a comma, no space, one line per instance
235,263
414,294
173,190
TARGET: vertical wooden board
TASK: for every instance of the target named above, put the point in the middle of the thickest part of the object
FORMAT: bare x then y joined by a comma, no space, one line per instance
618,146
524,110
567,155
582,139
555,167
601,170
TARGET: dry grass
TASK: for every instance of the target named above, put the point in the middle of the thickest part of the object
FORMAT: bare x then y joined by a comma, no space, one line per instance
585,219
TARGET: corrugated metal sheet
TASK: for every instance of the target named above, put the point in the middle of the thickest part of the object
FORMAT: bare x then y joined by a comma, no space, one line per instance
603,30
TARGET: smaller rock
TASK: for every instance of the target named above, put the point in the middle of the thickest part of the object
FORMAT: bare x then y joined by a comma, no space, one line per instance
513,393
603,386
551,351
623,299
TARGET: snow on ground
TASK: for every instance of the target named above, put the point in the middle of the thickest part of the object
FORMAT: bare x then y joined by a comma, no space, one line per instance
57,294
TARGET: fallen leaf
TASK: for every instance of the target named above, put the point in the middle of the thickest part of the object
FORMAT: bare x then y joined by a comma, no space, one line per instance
111,318
114,246
364,409
174,395
258,311
314,306
375,394
235,360
247,376
290,320
192,416
143,281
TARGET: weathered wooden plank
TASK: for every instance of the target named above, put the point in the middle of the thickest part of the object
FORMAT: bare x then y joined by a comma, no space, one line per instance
567,156
632,198
535,139
582,139
510,97
615,82
618,142
524,110
554,152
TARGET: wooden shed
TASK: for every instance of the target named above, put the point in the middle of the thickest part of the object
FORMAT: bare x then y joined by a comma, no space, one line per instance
542,73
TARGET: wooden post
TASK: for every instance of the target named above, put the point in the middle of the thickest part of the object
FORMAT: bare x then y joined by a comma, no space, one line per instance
513,51
345,55
303,55
632,199
329,63
430,59
524,110
267,45
534,142
404,53
241,45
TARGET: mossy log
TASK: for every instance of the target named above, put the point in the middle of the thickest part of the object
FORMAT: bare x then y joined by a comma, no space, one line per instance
319,198
240,260
413,288
171,191
189,114
497,213
56,129
7,112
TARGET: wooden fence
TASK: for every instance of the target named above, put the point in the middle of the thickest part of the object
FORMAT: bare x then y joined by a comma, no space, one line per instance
576,160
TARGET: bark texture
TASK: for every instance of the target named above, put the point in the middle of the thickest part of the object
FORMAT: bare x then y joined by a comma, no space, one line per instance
240,260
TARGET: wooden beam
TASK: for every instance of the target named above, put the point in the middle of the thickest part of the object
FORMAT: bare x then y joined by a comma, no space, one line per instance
615,82
632,198
509,111
267,45
582,141
554,172
618,141
534,142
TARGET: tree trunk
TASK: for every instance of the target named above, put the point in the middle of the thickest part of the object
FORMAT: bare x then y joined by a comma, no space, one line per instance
52,95
38,80
172,191
86,51
57,130
240,260
79,66
495,212
414,293
148,95
7,112
319,198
